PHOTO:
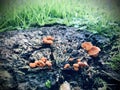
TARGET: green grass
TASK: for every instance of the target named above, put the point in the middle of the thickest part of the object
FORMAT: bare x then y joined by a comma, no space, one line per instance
98,16
95,14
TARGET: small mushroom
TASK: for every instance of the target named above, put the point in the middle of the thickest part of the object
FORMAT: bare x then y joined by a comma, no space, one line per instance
45,41
48,63
37,63
94,51
50,38
82,64
40,63
78,60
86,45
49,42
44,59
76,66
44,38
32,65
66,66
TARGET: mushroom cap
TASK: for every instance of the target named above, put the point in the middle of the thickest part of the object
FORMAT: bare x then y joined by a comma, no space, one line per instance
66,66
36,62
94,51
78,60
49,42
48,63
44,59
40,63
86,45
32,65
45,41
76,65
82,64
50,38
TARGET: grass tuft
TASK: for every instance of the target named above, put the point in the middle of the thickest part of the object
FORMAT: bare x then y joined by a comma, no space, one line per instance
95,15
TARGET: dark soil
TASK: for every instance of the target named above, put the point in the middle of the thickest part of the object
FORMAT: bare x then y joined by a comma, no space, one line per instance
19,48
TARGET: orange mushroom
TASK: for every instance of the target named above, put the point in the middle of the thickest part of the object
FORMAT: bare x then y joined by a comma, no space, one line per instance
49,42
37,63
48,63
82,64
45,41
66,66
86,45
78,60
32,65
94,51
76,66
50,38
40,63
44,59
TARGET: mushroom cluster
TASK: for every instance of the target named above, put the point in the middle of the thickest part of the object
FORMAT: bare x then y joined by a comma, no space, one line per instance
88,46
92,50
48,40
77,65
41,63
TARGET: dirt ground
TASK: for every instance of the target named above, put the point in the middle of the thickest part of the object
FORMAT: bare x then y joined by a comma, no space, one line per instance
19,48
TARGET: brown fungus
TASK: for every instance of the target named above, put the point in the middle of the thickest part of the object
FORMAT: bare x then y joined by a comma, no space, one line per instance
76,66
94,51
32,65
44,59
86,45
66,66
82,64
48,40
48,63
40,63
